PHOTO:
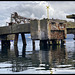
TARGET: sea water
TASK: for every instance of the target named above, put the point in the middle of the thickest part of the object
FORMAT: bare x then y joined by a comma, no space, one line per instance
24,60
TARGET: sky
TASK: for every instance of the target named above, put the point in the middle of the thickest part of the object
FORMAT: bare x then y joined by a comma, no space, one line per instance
36,9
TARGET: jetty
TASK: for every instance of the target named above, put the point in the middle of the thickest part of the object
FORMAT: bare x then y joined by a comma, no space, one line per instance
48,31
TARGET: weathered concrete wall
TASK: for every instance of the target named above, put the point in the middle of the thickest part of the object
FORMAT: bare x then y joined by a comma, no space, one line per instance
44,29
34,29
57,34
40,29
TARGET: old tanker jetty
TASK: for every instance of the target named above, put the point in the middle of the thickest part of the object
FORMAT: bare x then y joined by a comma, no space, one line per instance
48,31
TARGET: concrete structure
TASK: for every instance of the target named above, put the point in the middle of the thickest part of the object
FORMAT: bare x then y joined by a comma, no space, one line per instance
71,16
72,24
49,31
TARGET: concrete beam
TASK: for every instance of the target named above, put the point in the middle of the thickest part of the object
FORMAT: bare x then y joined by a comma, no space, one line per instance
70,30
21,28
5,30
29,28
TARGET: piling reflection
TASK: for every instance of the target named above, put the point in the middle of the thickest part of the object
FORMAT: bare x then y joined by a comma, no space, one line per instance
35,59
19,63
73,57
56,55
47,58
24,51
5,51
16,51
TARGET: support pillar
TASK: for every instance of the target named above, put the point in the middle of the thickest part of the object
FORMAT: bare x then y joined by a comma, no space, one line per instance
23,39
5,44
58,42
50,42
16,39
74,20
43,45
54,42
62,41
74,37
33,42
24,51
16,50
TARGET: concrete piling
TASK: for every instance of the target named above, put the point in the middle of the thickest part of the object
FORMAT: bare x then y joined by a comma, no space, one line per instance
50,42
16,39
5,44
23,38
33,43
43,45
24,51
16,50
58,42
62,41
74,37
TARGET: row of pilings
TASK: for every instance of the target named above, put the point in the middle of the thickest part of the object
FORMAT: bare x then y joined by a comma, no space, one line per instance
5,44
43,43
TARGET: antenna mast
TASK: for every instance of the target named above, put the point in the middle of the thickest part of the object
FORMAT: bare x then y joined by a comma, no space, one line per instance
47,12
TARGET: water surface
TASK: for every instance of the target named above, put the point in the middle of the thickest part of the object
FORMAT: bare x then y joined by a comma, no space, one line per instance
24,60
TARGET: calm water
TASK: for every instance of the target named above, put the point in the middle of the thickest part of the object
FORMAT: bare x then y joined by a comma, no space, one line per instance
25,60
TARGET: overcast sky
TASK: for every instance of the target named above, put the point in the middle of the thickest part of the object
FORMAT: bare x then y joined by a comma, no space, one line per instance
36,9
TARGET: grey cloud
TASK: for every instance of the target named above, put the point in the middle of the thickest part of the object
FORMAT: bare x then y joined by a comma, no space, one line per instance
36,9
